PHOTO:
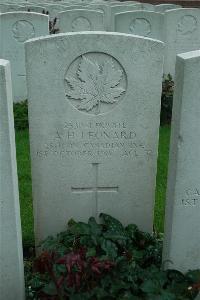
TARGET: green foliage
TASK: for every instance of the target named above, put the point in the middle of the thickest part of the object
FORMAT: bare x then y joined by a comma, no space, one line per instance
21,115
167,99
106,261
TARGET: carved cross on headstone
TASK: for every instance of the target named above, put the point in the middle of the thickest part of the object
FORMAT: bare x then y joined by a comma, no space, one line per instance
96,188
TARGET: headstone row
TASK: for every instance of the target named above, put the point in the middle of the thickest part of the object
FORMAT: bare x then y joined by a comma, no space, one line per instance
94,149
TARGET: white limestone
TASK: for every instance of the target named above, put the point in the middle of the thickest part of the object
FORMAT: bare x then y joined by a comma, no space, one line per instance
15,29
94,110
54,9
182,230
181,34
11,259
81,20
35,8
116,9
144,23
165,6
5,7
148,6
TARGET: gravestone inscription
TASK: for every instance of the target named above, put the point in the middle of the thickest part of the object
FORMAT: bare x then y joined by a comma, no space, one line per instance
93,149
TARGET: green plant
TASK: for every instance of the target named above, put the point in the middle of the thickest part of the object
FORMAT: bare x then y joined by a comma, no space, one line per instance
167,99
21,115
91,261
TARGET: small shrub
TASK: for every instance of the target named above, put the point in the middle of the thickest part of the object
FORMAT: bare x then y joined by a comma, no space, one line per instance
106,261
21,115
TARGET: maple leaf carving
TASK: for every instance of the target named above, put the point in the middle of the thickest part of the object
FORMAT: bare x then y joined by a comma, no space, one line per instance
95,84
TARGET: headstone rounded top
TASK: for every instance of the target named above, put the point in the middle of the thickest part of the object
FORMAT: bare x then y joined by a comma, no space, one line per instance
98,34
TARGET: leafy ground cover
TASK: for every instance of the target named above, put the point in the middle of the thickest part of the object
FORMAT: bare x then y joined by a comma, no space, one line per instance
107,261
24,173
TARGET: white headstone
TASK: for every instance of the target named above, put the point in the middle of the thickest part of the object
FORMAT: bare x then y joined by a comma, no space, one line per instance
81,20
105,9
94,119
35,8
5,7
15,29
54,9
114,10
148,6
182,230
166,6
144,23
11,258
181,34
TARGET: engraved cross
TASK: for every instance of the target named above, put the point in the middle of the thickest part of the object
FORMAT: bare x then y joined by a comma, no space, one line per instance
96,188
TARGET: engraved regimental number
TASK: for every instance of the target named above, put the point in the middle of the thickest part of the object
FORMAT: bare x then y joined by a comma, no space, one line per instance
187,25
95,83
81,24
23,30
140,26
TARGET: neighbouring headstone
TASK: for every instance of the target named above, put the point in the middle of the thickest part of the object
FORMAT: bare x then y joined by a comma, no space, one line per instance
114,10
54,9
5,7
165,6
181,34
94,119
144,23
148,6
81,20
182,230
35,8
15,29
11,258
105,9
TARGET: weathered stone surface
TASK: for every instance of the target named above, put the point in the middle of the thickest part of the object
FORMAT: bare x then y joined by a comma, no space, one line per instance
54,9
11,260
144,23
94,120
81,20
182,230
35,8
5,7
148,6
181,34
105,9
163,7
116,9
15,29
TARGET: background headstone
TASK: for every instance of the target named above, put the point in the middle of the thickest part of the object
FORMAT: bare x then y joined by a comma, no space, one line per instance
81,20
144,23
11,258
15,29
182,230
115,9
10,7
181,34
165,6
94,120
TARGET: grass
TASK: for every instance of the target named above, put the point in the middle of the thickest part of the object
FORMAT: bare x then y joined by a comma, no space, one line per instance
23,160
